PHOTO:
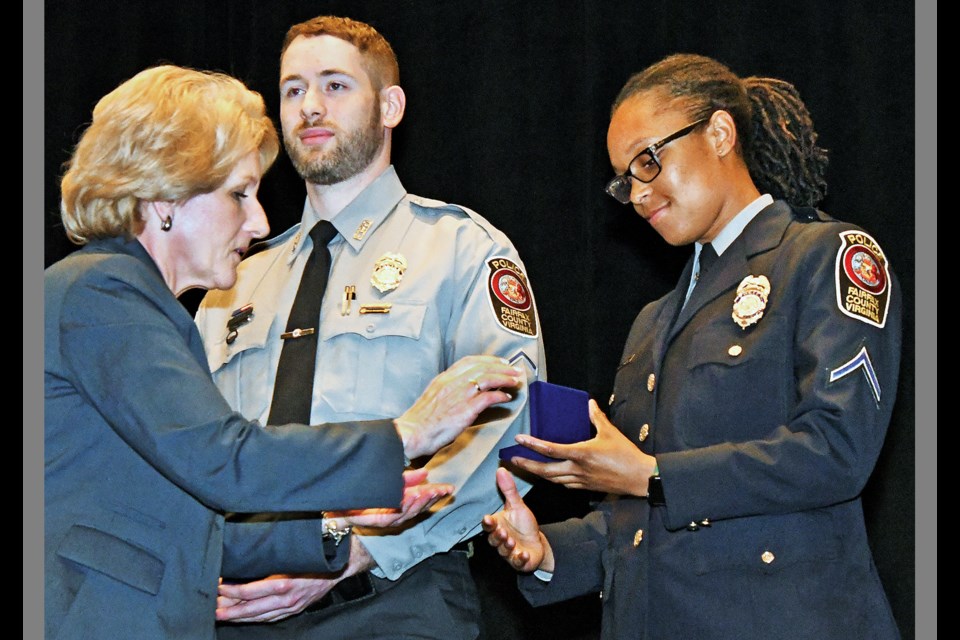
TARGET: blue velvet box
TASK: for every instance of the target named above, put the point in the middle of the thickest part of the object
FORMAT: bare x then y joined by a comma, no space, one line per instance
557,414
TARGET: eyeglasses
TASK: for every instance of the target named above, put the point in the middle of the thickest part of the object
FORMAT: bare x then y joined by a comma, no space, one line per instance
645,166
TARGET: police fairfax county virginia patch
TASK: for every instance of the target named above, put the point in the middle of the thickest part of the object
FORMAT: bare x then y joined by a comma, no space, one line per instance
510,297
863,278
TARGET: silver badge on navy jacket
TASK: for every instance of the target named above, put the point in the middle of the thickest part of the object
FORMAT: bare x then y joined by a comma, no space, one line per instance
751,300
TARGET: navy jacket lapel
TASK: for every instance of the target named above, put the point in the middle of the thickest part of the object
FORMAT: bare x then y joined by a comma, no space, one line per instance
763,233
668,313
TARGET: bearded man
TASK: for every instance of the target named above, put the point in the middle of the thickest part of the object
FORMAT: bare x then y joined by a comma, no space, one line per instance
413,285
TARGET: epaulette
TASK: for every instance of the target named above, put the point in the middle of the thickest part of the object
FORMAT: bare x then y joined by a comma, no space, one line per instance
428,205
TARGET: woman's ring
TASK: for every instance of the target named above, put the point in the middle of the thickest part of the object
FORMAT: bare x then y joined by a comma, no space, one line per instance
476,384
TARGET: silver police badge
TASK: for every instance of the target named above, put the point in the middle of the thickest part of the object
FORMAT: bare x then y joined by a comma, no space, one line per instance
751,300
388,271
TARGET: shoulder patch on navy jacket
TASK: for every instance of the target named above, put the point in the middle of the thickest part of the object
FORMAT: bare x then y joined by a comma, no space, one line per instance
510,297
863,278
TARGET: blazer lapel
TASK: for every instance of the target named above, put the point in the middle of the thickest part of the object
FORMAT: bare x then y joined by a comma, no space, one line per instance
669,311
724,275
763,233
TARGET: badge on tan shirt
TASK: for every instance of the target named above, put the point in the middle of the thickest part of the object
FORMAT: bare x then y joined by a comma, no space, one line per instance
388,272
510,297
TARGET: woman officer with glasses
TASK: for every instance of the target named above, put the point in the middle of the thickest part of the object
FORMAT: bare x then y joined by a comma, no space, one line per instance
751,402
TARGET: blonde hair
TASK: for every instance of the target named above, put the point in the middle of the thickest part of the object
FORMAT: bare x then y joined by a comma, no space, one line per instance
166,134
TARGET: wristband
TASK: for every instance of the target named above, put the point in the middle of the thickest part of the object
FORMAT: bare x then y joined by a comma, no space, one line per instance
655,492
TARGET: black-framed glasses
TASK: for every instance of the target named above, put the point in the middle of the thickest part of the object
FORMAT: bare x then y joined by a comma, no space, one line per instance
645,166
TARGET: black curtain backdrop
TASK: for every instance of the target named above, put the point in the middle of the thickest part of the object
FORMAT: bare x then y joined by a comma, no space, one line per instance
508,104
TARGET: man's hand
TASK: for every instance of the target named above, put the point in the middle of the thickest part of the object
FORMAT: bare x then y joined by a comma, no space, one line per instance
281,596
514,531
453,400
609,462
273,598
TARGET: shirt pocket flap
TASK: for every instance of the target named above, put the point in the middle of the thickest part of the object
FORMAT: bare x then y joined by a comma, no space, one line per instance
767,543
404,319
731,346
111,556
252,334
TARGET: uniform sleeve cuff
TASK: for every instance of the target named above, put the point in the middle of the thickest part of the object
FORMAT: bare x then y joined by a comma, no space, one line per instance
545,576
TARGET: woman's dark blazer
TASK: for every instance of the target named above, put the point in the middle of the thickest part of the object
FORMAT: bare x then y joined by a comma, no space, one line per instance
142,458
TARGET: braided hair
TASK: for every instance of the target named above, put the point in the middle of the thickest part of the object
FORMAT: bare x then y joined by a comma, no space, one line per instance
775,137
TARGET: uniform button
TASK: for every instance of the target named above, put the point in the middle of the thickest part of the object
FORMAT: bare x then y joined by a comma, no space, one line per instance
370,328
767,557
397,566
644,431
417,552
612,396
693,526
705,522
638,537
735,350
651,382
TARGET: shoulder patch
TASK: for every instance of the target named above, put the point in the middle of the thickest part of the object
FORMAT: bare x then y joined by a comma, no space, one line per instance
510,299
863,278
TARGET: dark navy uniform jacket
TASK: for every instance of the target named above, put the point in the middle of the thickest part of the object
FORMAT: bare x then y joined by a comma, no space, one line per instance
764,435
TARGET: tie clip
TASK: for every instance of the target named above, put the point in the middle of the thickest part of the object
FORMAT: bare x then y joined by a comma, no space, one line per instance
297,333
376,308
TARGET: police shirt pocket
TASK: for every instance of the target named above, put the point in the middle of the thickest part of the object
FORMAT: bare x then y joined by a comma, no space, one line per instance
119,559
244,368
252,334
726,345
361,349
739,382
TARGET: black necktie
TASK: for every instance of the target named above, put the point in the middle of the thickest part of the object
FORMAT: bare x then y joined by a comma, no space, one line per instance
293,389
708,255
